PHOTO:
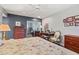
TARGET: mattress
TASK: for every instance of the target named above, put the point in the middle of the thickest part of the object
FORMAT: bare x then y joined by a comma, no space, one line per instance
32,46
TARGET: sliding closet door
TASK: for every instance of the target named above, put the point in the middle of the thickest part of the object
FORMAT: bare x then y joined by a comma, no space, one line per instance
33,26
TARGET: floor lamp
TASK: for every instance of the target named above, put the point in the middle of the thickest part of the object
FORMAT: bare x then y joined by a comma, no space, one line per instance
4,28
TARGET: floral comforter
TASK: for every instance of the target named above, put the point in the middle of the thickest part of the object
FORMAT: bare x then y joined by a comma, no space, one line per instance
32,46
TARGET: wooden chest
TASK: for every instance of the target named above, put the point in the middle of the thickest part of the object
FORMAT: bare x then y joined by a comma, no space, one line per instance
72,42
19,32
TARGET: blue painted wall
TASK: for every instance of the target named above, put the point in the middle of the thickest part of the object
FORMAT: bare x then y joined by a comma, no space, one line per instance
0,23
0,31
11,20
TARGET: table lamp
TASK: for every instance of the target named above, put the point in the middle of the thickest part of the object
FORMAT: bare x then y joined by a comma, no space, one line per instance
4,28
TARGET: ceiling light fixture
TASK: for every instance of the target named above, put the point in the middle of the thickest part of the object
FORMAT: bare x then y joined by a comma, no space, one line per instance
37,9
37,6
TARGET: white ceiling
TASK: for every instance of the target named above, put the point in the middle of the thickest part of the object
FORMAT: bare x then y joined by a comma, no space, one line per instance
39,10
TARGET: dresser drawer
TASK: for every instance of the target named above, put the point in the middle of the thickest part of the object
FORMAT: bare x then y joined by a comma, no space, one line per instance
73,48
72,41
72,44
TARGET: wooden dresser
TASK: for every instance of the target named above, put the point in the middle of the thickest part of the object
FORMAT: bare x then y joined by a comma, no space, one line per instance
72,42
19,32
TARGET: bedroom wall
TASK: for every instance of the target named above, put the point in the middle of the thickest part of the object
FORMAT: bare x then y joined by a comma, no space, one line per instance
56,22
2,13
11,20
0,23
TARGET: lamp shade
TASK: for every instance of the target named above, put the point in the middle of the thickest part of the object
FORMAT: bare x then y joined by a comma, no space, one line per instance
4,27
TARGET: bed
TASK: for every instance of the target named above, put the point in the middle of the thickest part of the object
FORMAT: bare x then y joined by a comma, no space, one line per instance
32,46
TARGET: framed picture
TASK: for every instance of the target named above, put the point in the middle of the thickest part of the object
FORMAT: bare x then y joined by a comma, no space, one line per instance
69,21
77,20
77,17
18,23
66,24
76,24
